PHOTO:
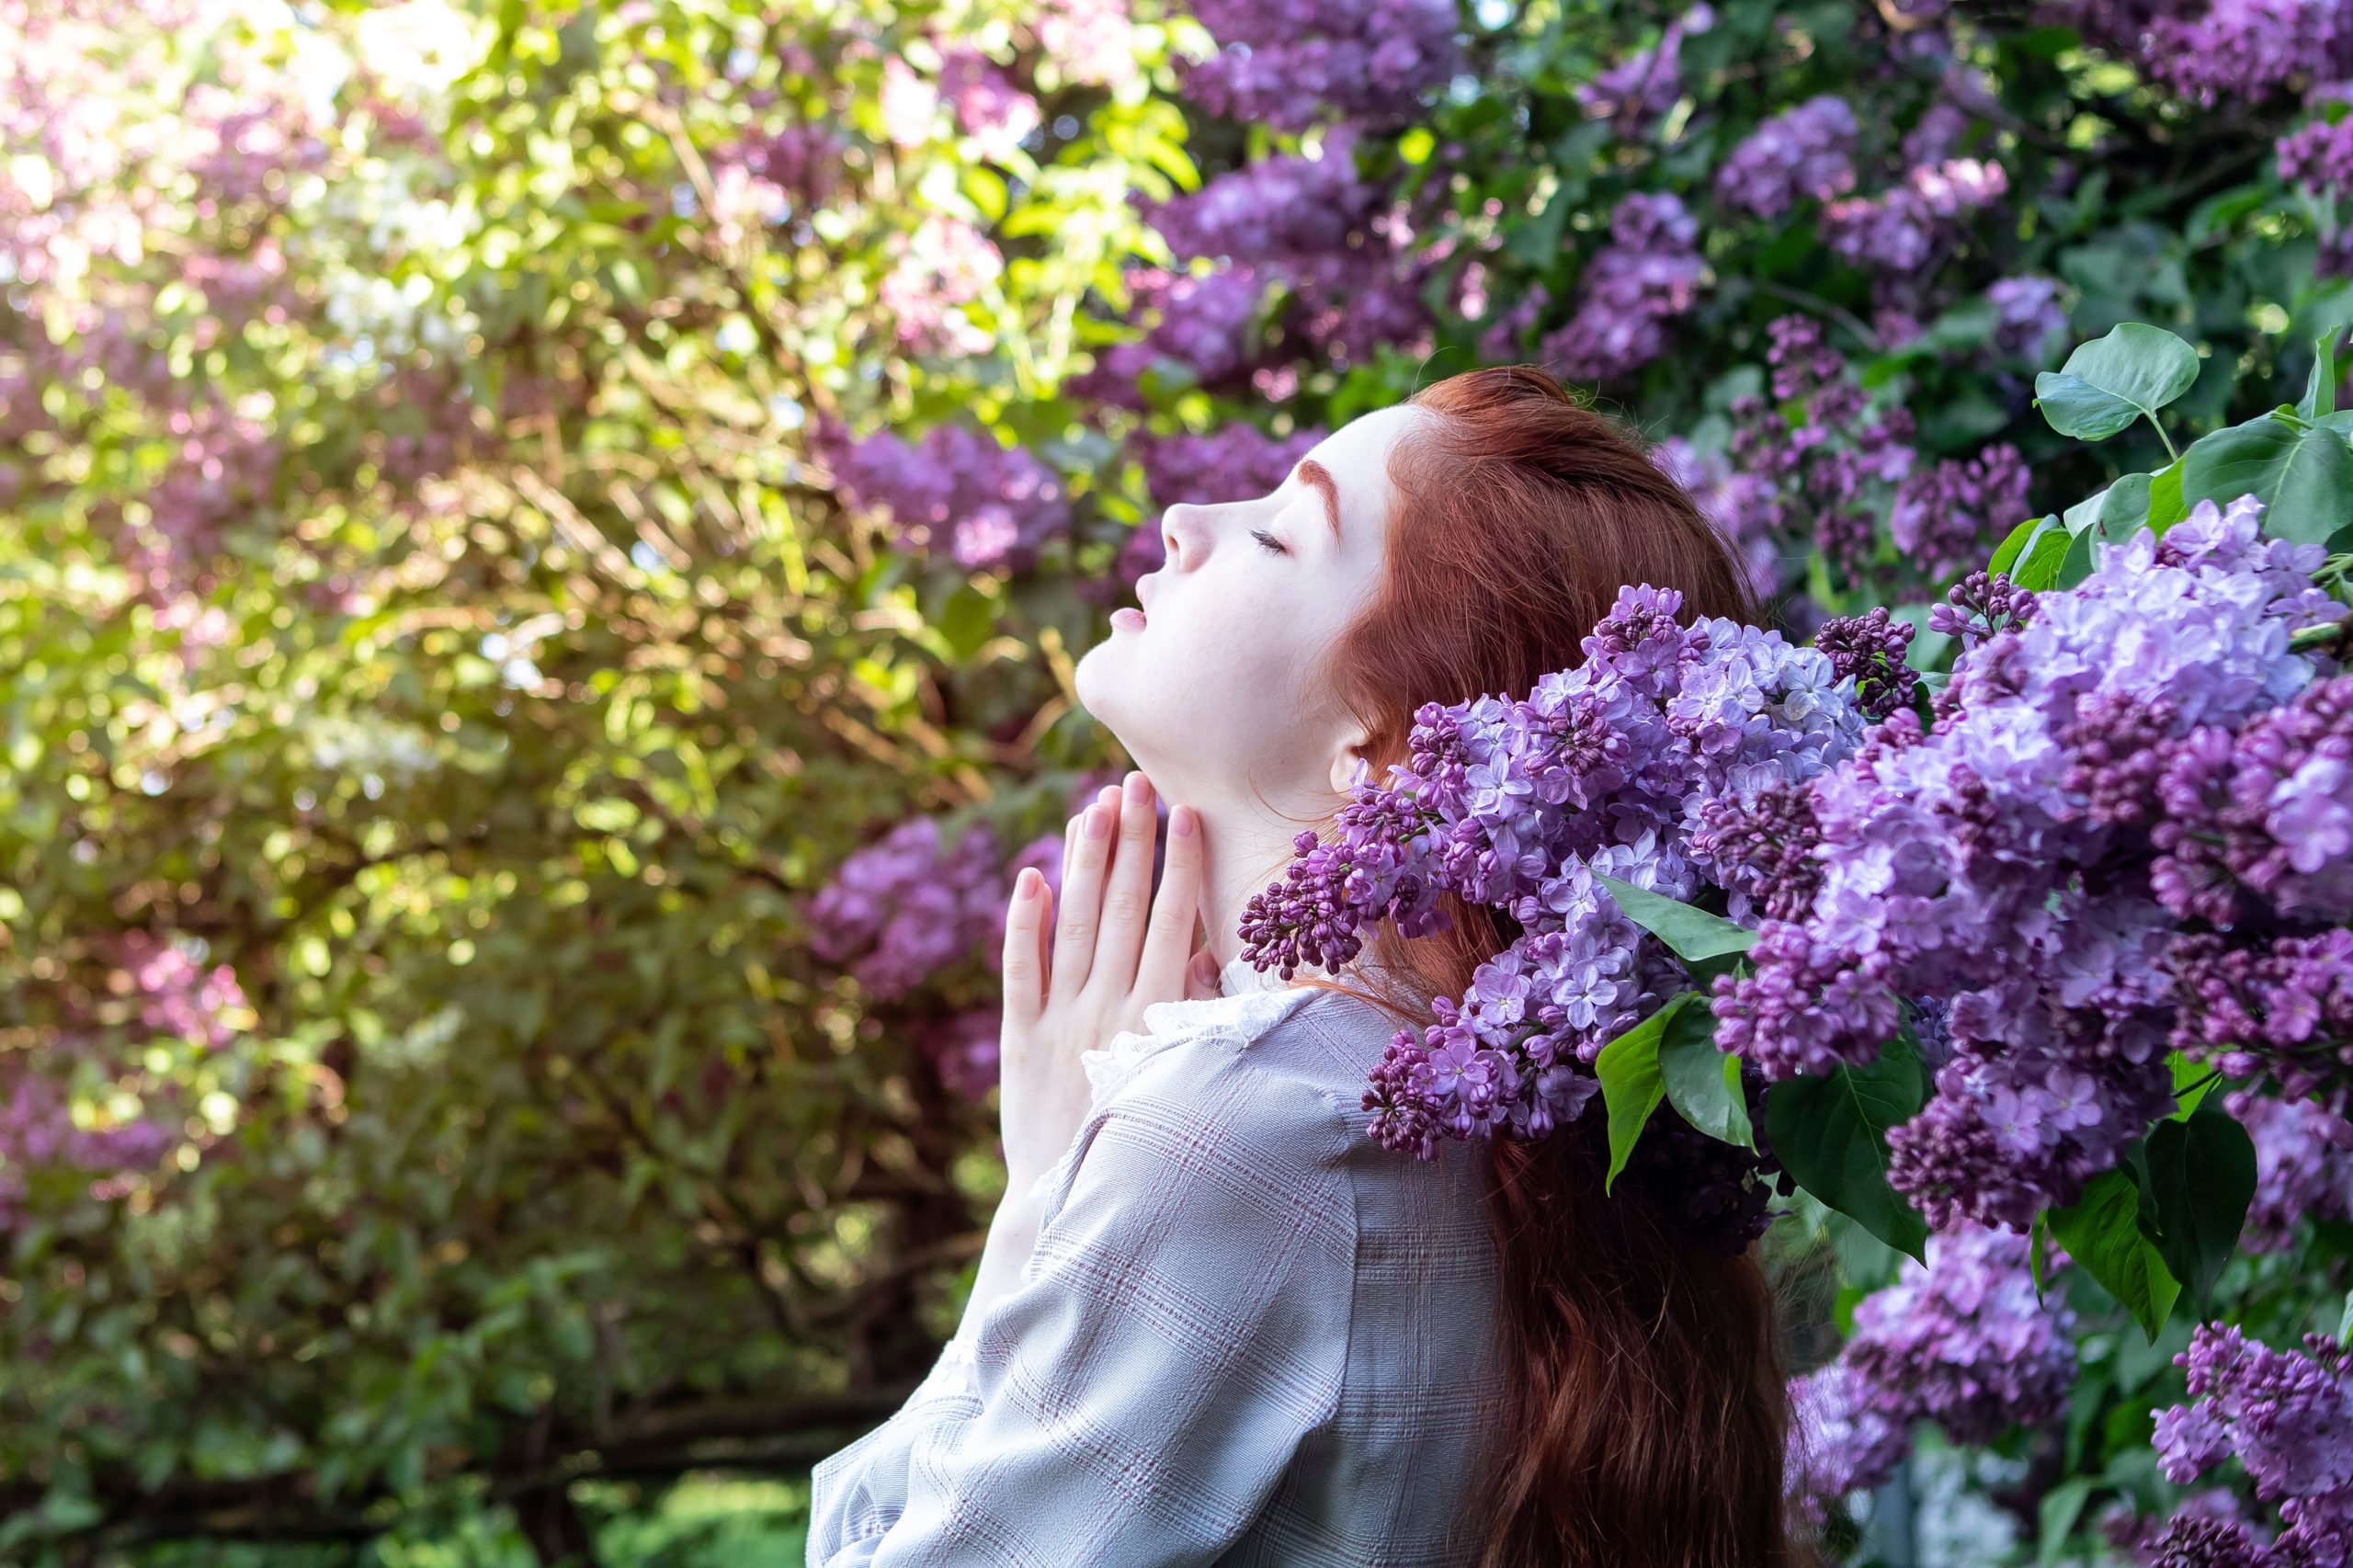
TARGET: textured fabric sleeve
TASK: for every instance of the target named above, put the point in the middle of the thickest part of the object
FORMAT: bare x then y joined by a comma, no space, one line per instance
1181,1328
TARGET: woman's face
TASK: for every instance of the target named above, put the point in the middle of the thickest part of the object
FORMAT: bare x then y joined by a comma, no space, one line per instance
1215,686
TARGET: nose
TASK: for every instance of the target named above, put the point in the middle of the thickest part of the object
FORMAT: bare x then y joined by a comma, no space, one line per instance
1184,531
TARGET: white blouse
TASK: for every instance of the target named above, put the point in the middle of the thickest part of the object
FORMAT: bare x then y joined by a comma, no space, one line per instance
1247,1334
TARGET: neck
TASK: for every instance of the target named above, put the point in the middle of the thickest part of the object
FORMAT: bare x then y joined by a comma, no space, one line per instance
1245,848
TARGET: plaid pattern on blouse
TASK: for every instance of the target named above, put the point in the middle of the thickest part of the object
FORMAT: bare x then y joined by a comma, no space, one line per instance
1247,1334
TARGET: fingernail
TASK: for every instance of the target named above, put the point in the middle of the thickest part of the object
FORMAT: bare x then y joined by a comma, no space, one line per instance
1027,884
1180,821
1137,787
1098,822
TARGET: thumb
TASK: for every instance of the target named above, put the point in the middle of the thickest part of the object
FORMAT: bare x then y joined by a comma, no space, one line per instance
1201,976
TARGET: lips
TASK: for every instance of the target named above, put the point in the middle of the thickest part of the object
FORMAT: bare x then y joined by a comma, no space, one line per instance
1126,619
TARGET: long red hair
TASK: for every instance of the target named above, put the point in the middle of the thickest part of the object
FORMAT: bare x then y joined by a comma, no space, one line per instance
1650,1415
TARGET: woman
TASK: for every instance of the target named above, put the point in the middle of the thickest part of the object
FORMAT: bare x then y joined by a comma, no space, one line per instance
1213,1321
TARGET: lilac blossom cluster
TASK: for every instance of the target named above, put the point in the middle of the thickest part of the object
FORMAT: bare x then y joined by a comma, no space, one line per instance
1310,222
1647,275
1805,152
908,906
1949,515
2287,1416
1737,504
2318,157
1911,225
2029,316
1200,321
1516,803
1827,472
958,490
1646,83
1287,63
1964,1340
2138,756
2243,50
2303,1166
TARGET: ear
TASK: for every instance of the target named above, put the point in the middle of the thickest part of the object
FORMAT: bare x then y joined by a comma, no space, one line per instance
1348,755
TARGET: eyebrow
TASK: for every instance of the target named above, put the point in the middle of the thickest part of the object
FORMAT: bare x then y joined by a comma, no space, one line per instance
1315,474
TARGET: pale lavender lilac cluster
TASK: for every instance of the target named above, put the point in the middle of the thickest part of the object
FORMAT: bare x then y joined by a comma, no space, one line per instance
2287,1416
1516,803
2318,157
2029,316
1200,321
957,491
1286,62
1964,1340
1805,152
1647,275
1739,504
2016,860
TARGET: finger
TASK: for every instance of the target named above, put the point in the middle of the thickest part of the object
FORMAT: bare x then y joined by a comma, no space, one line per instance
1168,944
1082,892
1127,889
1201,977
1025,975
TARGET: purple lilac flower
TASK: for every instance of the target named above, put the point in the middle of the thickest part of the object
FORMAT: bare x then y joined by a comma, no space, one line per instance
1646,83
2287,1416
1739,504
1963,1340
1202,321
1870,649
1980,606
1607,767
906,906
1910,226
2243,50
2031,315
1646,275
1952,865
1833,464
1945,517
990,508
1287,64
2318,157
963,1049
1314,224
1806,153
2303,1166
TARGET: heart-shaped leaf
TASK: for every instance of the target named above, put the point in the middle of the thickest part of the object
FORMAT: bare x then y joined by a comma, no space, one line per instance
2304,477
1702,1083
1830,1134
1708,943
2113,381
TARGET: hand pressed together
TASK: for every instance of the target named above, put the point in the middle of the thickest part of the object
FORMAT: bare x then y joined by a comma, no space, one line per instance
1071,984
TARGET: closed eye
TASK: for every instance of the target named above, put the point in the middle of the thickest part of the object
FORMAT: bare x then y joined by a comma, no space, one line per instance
1269,540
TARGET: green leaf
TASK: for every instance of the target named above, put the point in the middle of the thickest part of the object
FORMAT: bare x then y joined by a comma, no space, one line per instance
1708,943
2113,381
1702,1083
2127,507
2061,1506
2192,1082
1830,1134
2042,564
2005,554
2320,388
2077,565
1631,1085
2201,1173
2304,478
2165,506
2101,1230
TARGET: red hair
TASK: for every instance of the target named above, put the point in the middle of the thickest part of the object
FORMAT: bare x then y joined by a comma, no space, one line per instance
1650,1410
